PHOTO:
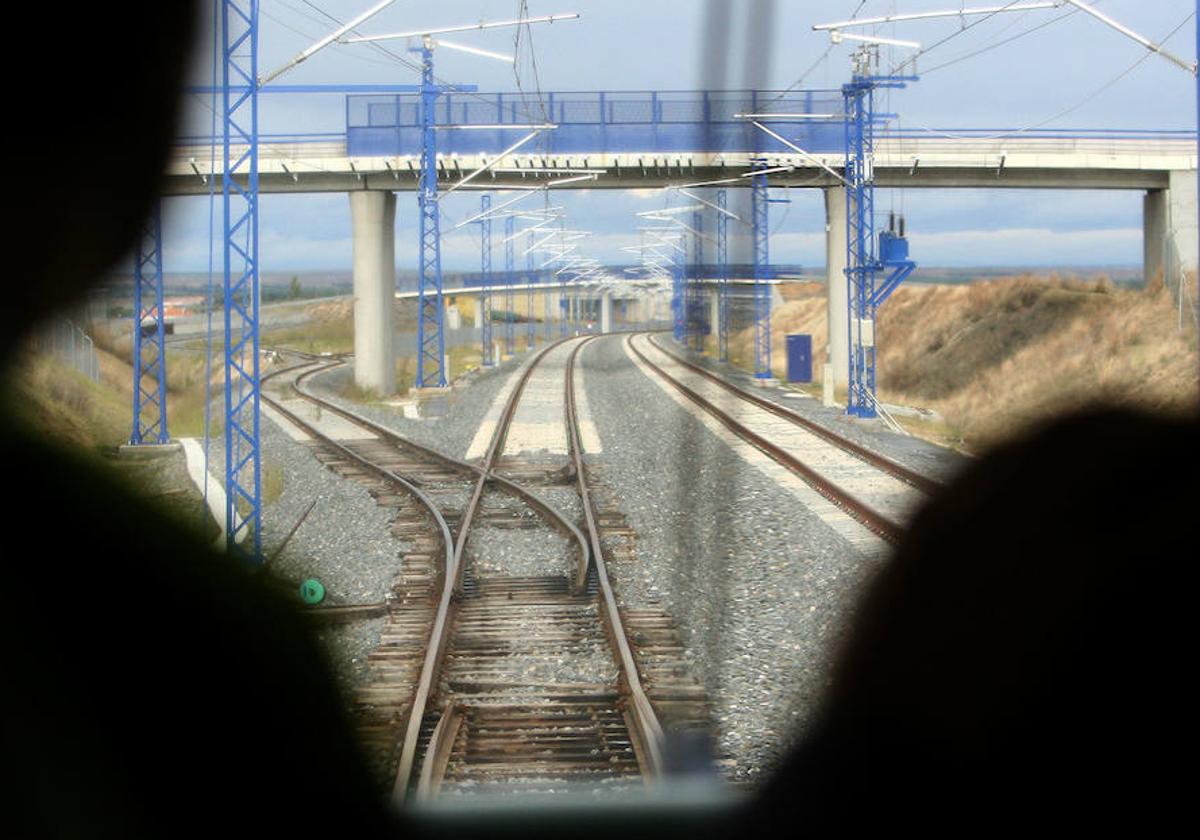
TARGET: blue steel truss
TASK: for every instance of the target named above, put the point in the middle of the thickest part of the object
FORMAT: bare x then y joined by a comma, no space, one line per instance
606,122
723,275
564,307
695,313
760,200
863,264
547,297
530,278
485,266
239,188
510,341
678,303
149,345
431,338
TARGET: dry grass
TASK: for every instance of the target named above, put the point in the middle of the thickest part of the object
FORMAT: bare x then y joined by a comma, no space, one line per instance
994,356
64,404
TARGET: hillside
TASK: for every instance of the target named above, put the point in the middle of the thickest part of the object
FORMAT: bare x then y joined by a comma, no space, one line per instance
996,355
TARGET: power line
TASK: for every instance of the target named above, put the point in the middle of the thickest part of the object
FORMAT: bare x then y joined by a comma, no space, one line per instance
1009,40
1072,109
967,28
815,64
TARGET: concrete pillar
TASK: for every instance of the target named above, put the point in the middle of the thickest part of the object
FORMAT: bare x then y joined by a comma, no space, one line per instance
838,317
606,312
1154,233
1183,250
373,217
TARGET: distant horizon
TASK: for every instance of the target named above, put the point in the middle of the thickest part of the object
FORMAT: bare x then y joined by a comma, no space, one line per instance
817,268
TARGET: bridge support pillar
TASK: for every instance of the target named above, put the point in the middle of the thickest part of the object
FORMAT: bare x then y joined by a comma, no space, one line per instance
606,302
838,312
1154,234
373,217
1169,230
1183,252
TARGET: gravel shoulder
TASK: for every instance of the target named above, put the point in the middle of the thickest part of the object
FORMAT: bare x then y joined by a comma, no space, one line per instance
345,542
927,458
762,590
448,422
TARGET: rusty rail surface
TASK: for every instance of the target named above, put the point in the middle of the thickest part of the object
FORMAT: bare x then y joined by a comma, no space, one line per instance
864,513
641,722
646,730
452,587
882,462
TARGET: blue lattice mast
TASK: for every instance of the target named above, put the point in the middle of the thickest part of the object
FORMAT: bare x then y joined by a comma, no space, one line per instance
485,267
678,303
863,261
760,201
149,343
547,297
239,189
695,292
431,339
239,195
564,301
723,288
510,341
530,277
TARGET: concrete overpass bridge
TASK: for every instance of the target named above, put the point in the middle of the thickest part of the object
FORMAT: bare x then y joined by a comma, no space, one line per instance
638,140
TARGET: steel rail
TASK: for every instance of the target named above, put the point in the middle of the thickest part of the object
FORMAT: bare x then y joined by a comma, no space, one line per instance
325,440
437,753
547,511
452,586
882,462
864,513
646,731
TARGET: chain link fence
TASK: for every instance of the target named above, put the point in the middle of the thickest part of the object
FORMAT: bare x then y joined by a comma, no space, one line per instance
65,341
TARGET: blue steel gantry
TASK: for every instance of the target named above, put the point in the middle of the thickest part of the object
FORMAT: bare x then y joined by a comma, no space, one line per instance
239,112
530,277
695,331
510,341
485,266
431,339
760,201
149,344
864,262
723,288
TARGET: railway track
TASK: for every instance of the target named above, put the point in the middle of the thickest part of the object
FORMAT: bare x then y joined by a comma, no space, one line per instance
873,489
489,680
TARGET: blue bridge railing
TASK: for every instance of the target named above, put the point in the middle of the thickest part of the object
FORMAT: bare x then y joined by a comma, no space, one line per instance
601,122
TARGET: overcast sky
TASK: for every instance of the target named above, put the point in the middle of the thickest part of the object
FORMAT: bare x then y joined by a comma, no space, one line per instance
1072,72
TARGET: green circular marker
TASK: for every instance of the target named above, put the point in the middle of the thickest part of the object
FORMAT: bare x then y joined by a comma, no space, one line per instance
312,591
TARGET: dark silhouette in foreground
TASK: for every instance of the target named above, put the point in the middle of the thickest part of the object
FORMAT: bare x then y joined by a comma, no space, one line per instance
1025,652
1022,659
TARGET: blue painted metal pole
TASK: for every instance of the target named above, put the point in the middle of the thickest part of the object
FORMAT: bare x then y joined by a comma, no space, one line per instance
485,297
762,265
863,263
723,289
677,295
547,297
530,277
239,106
510,340
431,339
149,344
697,307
